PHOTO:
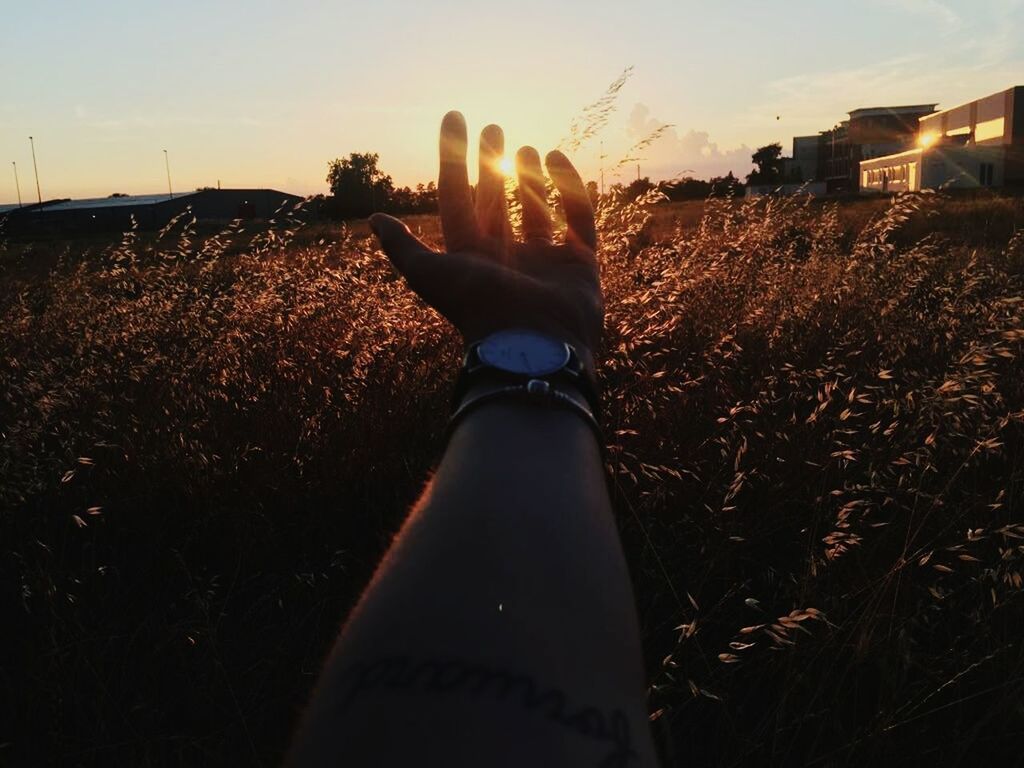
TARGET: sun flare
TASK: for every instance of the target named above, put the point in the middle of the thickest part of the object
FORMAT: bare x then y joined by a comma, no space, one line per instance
505,165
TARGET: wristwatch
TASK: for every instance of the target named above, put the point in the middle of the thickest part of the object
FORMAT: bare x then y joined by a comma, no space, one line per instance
525,364
518,355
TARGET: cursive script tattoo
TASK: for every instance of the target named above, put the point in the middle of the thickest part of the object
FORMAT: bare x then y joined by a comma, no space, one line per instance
400,673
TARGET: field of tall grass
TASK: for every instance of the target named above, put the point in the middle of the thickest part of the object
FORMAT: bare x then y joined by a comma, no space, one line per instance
816,418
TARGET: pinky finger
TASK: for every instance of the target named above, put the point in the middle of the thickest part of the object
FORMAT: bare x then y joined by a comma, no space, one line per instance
579,214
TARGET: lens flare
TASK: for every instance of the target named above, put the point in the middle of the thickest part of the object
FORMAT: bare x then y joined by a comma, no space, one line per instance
505,165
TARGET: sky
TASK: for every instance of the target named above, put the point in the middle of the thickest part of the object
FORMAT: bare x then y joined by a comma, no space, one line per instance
264,94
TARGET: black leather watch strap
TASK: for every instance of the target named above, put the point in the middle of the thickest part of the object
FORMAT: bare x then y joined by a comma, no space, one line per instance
539,392
574,376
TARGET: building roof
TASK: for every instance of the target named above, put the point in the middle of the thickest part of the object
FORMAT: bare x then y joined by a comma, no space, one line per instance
110,202
968,103
913,109
883,160
56,206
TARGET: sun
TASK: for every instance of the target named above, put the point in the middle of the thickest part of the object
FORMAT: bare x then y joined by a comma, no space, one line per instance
505,165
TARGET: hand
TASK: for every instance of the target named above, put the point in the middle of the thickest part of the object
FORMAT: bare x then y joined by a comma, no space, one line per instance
486,282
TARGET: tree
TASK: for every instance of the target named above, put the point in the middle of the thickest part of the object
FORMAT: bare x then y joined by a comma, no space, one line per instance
726,186
425,198
686,188
689,188
769,165
358,185
403,200
639,187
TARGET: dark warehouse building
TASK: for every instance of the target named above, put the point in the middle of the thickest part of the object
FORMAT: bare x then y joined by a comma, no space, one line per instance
109,214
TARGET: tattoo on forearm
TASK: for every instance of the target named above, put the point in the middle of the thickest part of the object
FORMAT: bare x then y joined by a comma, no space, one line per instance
400,673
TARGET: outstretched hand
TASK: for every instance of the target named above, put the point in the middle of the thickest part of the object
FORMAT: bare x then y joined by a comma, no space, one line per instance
486,281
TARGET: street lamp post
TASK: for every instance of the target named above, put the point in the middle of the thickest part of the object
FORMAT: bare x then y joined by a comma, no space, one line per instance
167,165
17,184
35,167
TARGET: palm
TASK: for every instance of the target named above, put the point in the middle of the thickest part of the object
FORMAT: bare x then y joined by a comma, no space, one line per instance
486,281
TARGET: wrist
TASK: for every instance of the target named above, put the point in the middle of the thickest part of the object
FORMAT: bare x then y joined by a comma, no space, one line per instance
543,392
546,402
517,356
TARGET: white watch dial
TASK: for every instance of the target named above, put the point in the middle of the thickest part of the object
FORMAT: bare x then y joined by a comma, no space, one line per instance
526,352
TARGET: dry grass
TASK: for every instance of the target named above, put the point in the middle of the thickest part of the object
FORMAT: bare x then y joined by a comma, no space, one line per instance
816,425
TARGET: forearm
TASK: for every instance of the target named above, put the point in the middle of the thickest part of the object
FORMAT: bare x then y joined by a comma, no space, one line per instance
503,610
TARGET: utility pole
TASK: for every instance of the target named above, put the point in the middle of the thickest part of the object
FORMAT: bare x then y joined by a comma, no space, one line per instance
17,185
167,165
638,171
602,168
36,168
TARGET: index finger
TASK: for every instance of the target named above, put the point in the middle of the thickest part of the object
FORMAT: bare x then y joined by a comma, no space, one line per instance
454,198
579,215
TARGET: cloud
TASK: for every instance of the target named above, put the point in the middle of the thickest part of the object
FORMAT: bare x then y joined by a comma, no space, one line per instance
815,101
980,54
675,154
808,97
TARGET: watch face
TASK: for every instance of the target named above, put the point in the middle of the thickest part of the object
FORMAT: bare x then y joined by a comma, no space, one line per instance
525,352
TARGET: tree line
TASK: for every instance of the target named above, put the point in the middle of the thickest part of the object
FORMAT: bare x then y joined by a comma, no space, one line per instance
358,187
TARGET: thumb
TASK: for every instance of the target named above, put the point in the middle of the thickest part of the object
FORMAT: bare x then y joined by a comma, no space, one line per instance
421,266
400,245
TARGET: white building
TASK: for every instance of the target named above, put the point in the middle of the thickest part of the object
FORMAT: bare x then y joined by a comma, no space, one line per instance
978,144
